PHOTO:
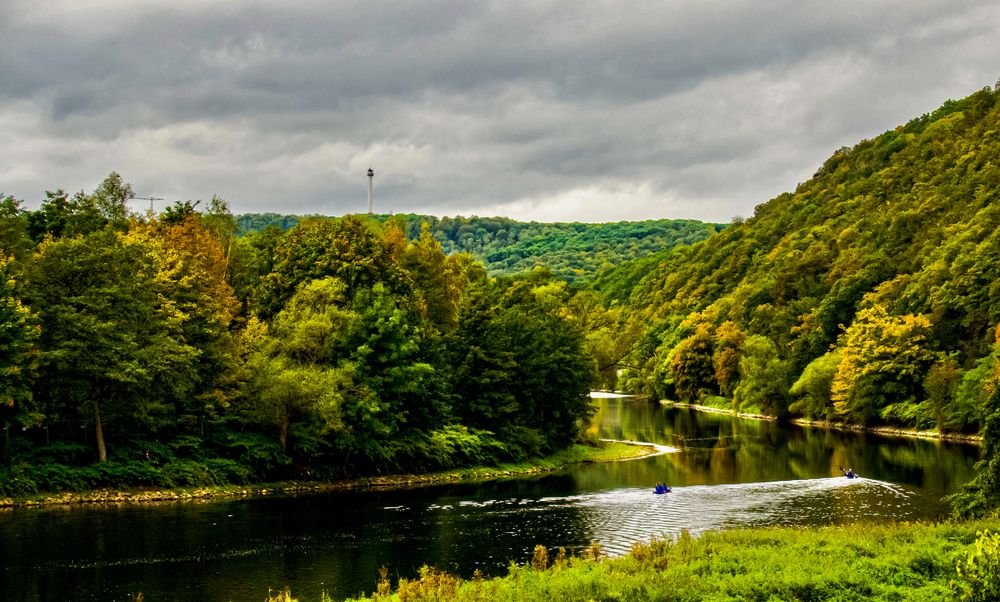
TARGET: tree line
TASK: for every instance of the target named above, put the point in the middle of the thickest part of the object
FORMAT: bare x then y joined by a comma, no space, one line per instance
575,252
168,350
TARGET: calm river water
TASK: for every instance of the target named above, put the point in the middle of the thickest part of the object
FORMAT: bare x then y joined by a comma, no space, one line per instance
728,472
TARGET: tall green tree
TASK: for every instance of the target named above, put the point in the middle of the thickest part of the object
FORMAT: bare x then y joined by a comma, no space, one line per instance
439,280
726,355
387,348
690,365
346,249
111,198
106,334
285,392
521,371
19,330
219,220
297,368
764,378
52,217
940,386
812,391
14,239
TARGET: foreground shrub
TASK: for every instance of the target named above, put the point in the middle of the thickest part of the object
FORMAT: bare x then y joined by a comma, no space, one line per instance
979,574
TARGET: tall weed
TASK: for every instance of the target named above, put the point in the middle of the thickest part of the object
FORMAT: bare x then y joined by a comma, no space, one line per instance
979,574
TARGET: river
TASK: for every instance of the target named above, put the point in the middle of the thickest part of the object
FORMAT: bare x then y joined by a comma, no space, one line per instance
727,472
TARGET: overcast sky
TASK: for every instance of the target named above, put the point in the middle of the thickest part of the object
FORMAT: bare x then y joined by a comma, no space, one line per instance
552,111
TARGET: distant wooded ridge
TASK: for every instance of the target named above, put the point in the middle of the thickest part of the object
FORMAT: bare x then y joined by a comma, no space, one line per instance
572,251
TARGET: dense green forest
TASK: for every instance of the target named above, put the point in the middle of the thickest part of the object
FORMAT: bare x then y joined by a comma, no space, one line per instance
572,251
169,351
869,295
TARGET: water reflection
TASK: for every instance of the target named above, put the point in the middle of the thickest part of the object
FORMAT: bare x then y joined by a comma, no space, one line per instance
716,449
728,472
619,518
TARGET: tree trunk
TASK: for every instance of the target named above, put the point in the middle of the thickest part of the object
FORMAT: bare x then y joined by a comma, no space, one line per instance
283,434
102,452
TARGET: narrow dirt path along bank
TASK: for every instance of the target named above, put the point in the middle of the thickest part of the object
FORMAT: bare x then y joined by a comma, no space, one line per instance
608,451
840,426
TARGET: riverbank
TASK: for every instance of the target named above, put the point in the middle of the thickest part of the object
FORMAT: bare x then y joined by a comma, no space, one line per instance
838,426
604,451
877,562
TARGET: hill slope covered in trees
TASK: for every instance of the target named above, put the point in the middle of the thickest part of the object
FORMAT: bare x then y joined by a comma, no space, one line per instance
870,294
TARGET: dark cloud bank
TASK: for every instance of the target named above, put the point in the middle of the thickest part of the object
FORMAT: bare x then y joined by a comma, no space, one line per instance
536,110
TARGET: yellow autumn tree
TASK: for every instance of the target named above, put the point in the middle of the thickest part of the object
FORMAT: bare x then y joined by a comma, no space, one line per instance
199,304
883,362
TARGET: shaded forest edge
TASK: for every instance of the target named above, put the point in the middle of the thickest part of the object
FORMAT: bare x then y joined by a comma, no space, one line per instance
944,561
603,451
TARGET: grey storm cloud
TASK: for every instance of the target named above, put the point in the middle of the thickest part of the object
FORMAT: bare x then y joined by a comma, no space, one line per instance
554,111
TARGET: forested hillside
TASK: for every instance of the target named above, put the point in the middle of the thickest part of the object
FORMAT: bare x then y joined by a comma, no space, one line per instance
572,251
168,351
870,294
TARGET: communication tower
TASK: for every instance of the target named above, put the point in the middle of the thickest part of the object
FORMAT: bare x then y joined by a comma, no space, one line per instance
371,176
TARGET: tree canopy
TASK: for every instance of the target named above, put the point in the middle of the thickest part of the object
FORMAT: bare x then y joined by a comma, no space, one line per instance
575,252
142,349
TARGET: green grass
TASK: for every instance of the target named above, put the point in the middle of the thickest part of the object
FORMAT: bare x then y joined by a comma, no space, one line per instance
716,401
604,451
860,562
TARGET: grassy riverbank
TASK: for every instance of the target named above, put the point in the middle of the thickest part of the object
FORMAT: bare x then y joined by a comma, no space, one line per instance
603,451
858,562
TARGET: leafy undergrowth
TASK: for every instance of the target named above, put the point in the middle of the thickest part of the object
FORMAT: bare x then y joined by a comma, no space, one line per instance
859,562
604,451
